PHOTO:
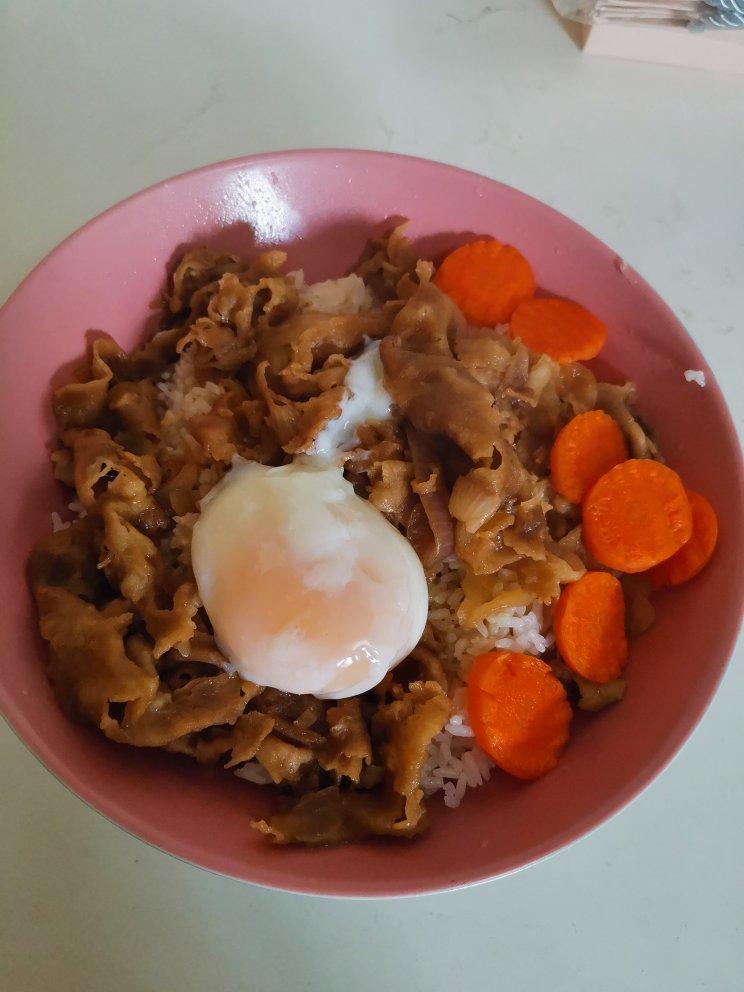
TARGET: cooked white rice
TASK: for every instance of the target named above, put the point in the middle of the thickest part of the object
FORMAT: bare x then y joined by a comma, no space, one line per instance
696,375
58,523
183,398
75,508
346,295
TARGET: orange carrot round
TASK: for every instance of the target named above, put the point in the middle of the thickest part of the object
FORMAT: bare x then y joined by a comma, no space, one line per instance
487,280
518,711
589,626
587,447
636,516
564,330
695,555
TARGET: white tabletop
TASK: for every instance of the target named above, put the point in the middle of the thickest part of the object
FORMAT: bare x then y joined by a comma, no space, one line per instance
99,99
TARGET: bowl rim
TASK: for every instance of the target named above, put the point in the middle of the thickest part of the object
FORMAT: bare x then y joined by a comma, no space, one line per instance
28,734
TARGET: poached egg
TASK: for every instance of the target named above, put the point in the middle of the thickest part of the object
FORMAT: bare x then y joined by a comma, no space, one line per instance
308,587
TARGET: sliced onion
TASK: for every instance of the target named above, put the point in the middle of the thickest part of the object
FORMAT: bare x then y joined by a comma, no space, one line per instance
439,543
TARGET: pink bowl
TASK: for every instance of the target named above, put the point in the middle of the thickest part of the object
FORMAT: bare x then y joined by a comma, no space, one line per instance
325,203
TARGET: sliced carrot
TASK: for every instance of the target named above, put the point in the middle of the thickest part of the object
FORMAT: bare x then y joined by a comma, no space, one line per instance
587,447
564,330
589,627
518,711
695,555
636,516
487,280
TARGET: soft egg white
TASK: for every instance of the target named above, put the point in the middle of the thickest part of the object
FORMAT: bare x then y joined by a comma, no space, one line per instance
365,399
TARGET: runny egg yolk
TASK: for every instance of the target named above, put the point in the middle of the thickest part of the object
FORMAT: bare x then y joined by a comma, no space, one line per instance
308,587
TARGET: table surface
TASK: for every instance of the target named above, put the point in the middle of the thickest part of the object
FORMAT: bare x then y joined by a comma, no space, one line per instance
98,100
